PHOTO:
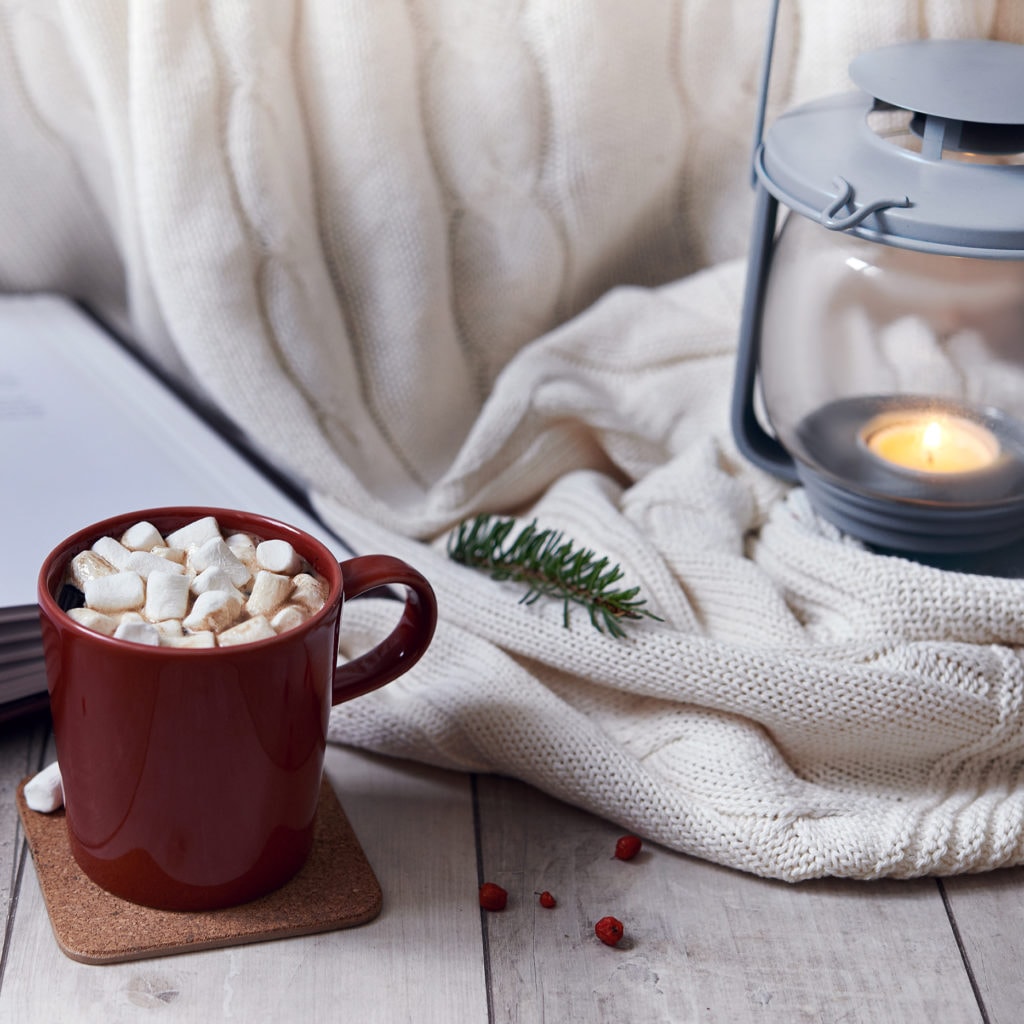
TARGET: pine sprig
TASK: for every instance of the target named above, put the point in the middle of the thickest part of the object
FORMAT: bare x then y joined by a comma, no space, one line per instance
551,566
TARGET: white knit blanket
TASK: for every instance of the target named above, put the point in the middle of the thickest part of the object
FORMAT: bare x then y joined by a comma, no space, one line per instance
441,257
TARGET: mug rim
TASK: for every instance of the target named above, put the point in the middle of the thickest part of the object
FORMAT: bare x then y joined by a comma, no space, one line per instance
61,554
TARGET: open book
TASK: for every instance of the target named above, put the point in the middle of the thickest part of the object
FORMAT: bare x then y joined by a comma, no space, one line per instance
88,432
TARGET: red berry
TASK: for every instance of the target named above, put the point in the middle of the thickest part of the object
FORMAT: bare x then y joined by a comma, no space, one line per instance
609,930
627,847
492,897
547,900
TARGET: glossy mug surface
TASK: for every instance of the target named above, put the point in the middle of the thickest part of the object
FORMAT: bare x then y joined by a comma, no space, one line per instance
191,776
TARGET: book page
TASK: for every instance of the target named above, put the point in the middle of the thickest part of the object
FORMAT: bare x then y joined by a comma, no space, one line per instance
87,432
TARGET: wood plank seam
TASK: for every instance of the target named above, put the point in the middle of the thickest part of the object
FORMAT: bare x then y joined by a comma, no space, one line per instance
12,906
968,967
484,933
32,764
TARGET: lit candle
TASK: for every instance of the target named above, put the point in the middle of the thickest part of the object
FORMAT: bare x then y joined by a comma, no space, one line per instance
931,442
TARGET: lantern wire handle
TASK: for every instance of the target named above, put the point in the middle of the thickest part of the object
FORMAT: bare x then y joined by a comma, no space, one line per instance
762,99
827,217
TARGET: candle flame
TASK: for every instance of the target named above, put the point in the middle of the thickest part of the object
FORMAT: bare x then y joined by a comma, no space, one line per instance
932,438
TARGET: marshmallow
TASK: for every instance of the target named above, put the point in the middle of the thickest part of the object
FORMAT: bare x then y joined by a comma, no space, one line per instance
87,565
142,537
112,551
214,578
269,591
138,632
278,556
44,791
203,639
215,552
244,549
246,632
215,610
166,596
309,592
92,619
288,617
193,534
171,554
169,629
145,563
120,592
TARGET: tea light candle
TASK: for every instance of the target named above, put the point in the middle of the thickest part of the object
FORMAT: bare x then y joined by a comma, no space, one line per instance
915,473
931,442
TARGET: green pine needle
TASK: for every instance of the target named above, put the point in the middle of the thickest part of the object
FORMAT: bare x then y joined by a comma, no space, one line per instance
550,566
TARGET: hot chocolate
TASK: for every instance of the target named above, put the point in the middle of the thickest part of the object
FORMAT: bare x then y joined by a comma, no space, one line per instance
194,587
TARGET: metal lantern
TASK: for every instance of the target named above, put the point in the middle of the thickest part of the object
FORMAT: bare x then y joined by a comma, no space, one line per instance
881,356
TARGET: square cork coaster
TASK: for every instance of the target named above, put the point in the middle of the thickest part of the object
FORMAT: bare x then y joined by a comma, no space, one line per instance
336,888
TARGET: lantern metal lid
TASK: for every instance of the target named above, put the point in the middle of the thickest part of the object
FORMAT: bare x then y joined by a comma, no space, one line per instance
966,80
924,159
825,161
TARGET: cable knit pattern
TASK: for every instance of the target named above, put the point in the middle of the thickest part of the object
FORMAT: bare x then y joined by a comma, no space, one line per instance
438,257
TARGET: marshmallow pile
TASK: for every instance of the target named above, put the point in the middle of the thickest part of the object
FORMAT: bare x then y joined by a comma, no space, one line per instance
195,587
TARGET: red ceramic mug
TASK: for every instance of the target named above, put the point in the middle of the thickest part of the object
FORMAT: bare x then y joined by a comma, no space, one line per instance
191,776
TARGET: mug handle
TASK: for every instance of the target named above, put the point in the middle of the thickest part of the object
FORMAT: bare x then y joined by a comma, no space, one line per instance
399,651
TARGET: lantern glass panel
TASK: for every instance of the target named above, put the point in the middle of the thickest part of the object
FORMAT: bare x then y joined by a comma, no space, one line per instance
858,327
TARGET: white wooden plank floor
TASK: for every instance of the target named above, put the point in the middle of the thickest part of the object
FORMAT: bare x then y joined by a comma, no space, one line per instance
703,943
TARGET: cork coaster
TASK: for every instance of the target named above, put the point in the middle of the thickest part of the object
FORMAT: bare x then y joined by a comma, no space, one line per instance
336,888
